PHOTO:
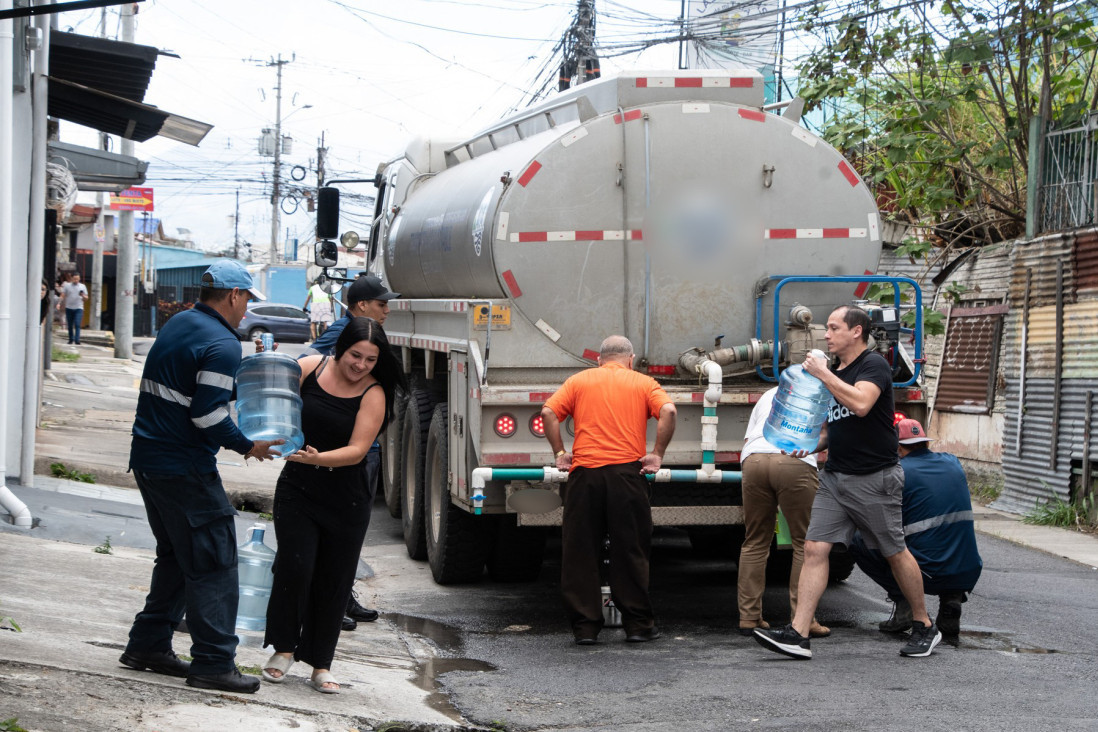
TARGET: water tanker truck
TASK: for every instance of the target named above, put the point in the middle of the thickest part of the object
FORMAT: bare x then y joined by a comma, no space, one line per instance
671,208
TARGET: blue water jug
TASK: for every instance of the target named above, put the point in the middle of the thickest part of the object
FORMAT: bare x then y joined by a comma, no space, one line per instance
268,399
799,411
255,564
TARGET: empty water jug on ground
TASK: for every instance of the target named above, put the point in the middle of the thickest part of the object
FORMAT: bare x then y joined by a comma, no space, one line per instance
255,564
799,410
268,399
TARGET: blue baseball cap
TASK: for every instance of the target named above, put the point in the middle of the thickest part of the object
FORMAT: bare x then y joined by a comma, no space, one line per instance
225,274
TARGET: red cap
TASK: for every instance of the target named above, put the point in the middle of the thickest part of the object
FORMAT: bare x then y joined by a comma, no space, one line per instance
911,432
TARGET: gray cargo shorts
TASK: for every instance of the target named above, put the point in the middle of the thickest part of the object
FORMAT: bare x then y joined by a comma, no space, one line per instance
871,503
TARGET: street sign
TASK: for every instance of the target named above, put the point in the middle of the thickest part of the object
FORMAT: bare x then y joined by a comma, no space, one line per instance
133,199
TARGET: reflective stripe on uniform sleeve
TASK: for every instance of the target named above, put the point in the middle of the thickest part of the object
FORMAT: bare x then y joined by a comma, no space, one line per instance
935,521
214,417
151,387
212,378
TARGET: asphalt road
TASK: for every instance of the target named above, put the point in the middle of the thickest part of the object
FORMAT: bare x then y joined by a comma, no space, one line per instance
1025,659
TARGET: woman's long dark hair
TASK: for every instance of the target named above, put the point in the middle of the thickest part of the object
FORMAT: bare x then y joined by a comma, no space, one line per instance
387,370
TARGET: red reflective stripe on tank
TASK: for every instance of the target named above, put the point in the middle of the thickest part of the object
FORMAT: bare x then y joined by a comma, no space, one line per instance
753,115
636,234
741,82
533,236
726,457
781,234
592,235
506,458
642,83
697,397
862,286
590,355
848,172
512,284
460,367
540,396
693,81
629,116
753,398
836,233
529,173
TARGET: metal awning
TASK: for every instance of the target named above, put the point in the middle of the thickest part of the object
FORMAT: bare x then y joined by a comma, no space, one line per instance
100,83
98,170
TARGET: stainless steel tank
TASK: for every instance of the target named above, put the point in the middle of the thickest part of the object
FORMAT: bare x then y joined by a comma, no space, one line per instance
649,205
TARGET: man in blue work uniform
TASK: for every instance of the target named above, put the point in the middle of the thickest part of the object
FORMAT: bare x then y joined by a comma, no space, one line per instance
366,298
182,421
938,529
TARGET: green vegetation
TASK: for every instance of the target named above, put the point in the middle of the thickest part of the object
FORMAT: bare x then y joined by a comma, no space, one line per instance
253,670
985,489
8,623
265,516
1056,512
11,725
58,355
60,471
104,548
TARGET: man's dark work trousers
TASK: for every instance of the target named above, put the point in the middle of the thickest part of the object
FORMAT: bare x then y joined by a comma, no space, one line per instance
195,569
598,501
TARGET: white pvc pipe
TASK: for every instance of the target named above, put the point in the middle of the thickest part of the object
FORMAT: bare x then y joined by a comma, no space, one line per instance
711,398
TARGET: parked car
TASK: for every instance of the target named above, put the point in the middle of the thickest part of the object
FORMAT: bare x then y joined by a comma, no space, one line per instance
286,322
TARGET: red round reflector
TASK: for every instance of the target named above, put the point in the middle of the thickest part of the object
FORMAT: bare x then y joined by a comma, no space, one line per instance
505,425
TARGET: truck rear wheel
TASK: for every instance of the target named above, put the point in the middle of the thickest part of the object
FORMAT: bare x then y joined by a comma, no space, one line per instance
417,421
517,551
716,542
455,546
390,454
780,564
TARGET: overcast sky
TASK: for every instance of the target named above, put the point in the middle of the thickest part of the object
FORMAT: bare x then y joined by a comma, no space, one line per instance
375,74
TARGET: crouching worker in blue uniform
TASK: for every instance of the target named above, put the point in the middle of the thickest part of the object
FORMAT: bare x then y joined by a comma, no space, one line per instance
182,421
938,529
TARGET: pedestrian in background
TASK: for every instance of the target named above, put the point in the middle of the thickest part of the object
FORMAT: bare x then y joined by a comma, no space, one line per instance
938,528
320,314
182,420
771,480
861,485
323,499
73,295
606,490
366,298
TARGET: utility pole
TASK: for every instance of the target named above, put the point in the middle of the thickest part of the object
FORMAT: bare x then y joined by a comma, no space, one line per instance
124,287
580,59
276,192
236,227
100,229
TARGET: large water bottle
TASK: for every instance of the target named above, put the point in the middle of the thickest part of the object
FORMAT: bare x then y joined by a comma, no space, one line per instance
255,562
799,410
268,399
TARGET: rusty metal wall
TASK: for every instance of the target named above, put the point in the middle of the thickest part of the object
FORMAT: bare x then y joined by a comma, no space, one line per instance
1085,263
1029,475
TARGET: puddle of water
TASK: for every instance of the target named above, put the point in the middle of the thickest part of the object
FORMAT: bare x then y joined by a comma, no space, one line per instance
983,640
444,636
427,678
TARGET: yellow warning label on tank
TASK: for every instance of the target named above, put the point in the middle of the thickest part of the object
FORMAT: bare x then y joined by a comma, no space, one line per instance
501,317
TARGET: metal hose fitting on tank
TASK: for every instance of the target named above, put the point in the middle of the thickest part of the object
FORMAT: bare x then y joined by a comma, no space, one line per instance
751,353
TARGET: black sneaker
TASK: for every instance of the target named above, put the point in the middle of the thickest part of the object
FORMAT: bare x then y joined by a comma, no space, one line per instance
784,640
360,613
922,641
900,621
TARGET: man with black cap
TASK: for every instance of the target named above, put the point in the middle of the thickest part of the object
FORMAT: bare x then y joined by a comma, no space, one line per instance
182,421
938,529
366,298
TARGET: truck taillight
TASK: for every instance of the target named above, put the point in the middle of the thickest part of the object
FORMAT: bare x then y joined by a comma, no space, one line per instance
898,417
505,425
537,426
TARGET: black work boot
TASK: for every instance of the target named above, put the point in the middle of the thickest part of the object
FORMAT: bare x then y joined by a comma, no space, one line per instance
900,620
949,613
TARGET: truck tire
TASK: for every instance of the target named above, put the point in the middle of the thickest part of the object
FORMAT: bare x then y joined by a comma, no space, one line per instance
716,542
417,422
517,551
455,544
390,454
780,564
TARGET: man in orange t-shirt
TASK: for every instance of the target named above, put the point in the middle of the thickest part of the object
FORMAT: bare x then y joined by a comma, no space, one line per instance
606,490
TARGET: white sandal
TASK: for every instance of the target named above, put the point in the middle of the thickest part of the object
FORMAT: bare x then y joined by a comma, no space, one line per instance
277,662
318,682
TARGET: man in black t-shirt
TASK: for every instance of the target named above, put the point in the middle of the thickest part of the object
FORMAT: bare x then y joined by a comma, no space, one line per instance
861,485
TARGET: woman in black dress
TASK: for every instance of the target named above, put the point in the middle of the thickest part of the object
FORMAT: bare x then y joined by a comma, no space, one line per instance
322,499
